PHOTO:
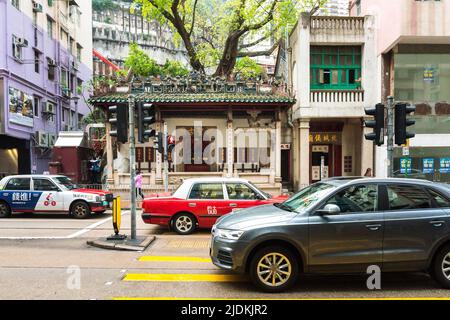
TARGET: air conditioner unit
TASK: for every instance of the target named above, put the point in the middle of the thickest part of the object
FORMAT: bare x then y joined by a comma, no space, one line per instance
41,139
51,62
49,108
51,140
75,65
21,42
37,7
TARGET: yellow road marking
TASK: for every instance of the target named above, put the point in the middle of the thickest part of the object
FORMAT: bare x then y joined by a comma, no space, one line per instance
276,299
183,277
173,259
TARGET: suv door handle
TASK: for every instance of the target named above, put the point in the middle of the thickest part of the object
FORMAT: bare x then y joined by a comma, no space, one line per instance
192,204
437,223
233,204
373,227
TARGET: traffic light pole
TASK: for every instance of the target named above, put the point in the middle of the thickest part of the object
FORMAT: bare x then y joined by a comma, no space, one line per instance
131,104
166,159
390,136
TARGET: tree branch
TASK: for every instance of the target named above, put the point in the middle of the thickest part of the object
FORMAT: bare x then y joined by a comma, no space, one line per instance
259,53
265,21
193,17
165,13
251,44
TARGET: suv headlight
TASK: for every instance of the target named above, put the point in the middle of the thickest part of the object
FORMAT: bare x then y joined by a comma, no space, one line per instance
228,234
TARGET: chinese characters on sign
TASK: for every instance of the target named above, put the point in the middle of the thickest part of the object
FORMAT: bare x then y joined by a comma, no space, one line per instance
444,165
405,165
427,165
325,137
21,196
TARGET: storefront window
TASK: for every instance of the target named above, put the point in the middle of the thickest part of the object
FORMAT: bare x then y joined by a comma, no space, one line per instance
422,77
430,163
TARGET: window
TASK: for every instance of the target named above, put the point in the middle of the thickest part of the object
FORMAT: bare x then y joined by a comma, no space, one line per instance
37,58
51,69
406,197
240,191
356,199
335,67
36,102
79,48
44,185
18,184
16,4
16,48
64,114
441,201
49,27
207,191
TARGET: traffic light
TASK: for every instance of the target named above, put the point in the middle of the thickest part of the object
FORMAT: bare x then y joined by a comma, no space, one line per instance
170,143
158,142
146,117
118,118
377,136
402,122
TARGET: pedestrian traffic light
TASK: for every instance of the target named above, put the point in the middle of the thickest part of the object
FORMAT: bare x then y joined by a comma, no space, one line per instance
118,118
377,136
146,117
402,123
170,143
158,142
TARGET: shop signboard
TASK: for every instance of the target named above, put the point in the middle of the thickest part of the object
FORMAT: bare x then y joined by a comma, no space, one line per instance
405,165
428,165
20,108
444,165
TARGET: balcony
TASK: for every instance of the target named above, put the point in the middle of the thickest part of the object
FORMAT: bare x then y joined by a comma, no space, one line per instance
334,104
325,29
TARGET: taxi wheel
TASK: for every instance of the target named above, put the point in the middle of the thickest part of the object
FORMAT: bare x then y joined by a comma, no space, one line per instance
5,210
184,223
274,269
80,210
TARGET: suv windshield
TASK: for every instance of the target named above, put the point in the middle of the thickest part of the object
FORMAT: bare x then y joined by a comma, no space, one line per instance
66,183
307,197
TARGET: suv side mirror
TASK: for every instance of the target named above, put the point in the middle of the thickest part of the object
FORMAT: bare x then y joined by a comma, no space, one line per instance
329,209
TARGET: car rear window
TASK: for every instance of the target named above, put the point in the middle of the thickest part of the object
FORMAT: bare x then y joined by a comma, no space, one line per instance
18,184
206,191
441,201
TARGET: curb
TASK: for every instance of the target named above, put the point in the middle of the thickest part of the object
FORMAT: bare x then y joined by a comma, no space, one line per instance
126,245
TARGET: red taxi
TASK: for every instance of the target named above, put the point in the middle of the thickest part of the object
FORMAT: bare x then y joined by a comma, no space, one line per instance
198,202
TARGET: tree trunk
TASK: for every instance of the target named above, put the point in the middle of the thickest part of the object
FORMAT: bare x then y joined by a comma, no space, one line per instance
230,52
193,60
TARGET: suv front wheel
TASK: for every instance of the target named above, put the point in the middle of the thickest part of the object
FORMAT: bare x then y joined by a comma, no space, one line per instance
441,267
274,269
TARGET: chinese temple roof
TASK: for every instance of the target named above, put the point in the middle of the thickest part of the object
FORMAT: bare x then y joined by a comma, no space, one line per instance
213,97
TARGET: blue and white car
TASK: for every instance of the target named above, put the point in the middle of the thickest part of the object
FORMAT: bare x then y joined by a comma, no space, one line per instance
50,193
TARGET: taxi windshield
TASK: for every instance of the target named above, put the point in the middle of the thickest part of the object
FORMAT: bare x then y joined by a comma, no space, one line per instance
66,183
307,197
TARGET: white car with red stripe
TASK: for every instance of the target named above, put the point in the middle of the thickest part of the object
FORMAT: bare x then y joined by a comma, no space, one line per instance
50,193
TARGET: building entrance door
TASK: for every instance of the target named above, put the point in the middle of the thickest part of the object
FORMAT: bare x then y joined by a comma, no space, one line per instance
321,162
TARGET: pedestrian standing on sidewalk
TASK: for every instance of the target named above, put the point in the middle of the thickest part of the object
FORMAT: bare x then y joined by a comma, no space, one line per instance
138,182
368,172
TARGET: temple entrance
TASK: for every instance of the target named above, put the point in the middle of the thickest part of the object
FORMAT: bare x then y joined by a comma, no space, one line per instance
199,159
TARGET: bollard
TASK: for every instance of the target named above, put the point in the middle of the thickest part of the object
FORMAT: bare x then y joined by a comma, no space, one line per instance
117,210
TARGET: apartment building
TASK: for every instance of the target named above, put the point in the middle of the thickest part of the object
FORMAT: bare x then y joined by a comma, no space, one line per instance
45,62
332,66
413,58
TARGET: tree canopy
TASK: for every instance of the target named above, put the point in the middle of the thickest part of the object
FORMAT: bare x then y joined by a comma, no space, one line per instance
216,33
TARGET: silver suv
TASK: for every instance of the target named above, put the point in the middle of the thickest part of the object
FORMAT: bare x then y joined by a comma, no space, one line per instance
339,226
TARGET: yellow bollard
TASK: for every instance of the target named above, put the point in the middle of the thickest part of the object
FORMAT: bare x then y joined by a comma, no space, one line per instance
117,215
